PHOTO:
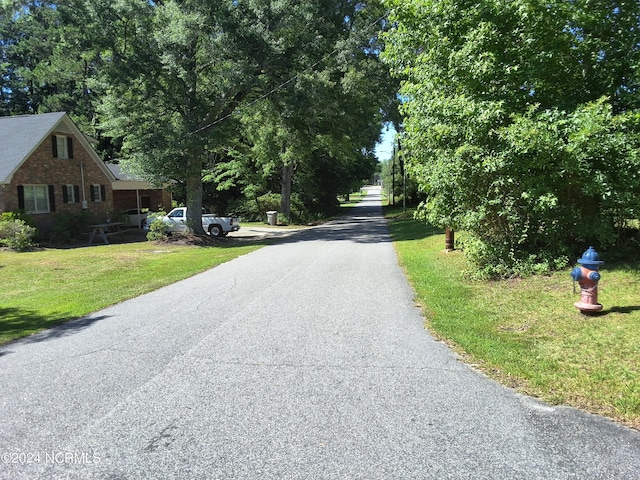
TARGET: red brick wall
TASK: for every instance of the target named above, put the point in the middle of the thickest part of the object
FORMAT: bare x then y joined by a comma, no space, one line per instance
43,169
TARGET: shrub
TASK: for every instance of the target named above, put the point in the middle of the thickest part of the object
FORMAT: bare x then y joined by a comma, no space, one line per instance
16,233
67,227
283,220
255,209
9,216
158,230
493,260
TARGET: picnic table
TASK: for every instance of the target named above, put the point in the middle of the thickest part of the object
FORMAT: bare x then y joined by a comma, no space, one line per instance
105,230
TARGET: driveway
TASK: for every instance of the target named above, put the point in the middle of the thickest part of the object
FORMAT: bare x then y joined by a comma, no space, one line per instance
306,359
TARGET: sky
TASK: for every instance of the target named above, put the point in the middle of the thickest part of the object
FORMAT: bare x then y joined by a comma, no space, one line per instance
384,149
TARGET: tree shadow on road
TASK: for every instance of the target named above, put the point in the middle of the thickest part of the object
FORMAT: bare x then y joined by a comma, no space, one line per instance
17,322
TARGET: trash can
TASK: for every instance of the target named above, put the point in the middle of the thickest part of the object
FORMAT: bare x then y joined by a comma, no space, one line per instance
272,217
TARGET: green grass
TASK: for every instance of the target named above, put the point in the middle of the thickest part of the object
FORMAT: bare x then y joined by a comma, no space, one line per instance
47,287
526,333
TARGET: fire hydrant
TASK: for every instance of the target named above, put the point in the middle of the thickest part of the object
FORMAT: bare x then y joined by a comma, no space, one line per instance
587,276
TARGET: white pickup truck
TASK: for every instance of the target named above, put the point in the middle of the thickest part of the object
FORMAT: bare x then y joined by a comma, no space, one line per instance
216,226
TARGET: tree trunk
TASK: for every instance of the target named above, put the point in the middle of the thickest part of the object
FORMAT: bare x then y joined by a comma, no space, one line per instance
287,177
194,193
195,152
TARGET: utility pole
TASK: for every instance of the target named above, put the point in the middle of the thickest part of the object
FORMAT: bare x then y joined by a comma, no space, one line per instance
393,176
403,170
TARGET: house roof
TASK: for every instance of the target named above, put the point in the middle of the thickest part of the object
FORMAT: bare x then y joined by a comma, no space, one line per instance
125,180
120,174
21,135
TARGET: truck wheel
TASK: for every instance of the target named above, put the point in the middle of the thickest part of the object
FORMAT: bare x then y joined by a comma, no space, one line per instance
215,230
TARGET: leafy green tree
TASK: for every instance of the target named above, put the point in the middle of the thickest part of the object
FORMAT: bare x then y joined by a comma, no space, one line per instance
178,70
28,37
314,138
46,61
519,115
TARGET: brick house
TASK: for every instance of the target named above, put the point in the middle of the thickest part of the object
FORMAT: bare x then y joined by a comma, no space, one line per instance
48,167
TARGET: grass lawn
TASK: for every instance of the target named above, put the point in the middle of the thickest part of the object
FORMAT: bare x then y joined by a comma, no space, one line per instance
526,333
50,286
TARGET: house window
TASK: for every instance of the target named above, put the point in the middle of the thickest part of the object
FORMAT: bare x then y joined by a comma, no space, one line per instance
70,193
62,146
36,198
98,193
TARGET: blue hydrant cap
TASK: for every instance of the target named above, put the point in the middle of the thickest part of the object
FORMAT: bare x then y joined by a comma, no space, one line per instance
590,257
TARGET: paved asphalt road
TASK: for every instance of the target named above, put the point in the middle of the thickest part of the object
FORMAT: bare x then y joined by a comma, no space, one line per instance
303,360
